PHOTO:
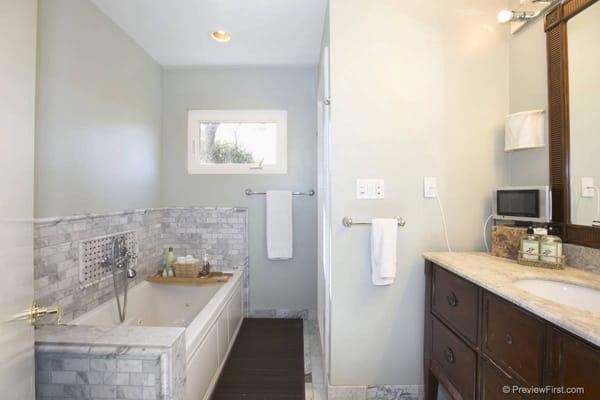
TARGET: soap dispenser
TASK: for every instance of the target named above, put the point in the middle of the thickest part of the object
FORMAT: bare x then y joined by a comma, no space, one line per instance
551,249
530,246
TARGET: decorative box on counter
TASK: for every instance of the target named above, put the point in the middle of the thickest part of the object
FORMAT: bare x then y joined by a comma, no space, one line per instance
506,241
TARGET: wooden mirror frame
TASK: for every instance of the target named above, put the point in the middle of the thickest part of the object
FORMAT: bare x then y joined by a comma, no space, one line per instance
558,123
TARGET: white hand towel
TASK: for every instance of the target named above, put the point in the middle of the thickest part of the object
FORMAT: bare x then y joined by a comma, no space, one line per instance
280,240
384,232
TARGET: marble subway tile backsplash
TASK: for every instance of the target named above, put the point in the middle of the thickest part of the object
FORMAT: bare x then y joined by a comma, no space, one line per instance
585,258
222,232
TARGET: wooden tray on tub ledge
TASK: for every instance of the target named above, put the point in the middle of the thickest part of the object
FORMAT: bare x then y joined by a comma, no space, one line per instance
212,277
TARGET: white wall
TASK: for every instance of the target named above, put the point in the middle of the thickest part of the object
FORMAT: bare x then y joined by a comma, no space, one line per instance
584,118
528,85
98,121
17,107
274,284
418,89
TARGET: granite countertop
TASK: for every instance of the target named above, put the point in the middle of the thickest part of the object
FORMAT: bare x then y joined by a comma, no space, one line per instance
79,335
498,275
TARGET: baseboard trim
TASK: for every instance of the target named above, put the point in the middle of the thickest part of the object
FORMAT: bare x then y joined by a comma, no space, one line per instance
376,392
280,314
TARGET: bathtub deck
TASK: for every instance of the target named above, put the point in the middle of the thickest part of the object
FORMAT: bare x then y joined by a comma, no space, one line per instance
266,362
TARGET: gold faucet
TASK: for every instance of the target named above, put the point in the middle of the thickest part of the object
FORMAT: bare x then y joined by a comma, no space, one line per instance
36,312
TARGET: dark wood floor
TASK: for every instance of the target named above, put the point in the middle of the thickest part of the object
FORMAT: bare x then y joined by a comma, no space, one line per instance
266,362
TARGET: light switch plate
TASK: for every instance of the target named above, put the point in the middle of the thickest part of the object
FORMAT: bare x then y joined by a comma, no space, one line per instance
587,187
430,187
370,189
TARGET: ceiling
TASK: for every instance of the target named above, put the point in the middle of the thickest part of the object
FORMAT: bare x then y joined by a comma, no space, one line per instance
176,33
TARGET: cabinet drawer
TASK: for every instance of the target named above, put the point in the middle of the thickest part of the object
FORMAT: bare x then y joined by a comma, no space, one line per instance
454,358
513,339
454,300
494,383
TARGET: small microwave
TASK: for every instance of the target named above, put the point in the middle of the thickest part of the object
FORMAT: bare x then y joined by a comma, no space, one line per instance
523,203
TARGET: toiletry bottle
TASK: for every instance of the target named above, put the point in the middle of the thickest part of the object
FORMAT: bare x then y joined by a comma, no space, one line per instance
551,249
170,257
168,271
530,246
205,265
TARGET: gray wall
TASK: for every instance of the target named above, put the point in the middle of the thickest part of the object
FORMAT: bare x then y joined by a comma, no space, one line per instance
274,284
528,81
418,89
98,121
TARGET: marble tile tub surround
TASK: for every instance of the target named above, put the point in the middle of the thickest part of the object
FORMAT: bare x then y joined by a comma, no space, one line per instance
122,362
222,232
497,275
56,256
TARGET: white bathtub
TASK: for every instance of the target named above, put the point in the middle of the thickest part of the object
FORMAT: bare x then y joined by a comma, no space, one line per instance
211,315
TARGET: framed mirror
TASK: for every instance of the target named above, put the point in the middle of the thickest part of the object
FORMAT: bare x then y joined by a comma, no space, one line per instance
573,49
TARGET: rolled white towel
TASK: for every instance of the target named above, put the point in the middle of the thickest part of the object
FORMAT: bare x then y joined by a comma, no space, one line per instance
384,233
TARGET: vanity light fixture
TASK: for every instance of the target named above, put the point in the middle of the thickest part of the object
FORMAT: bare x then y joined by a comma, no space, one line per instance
505,16
221,36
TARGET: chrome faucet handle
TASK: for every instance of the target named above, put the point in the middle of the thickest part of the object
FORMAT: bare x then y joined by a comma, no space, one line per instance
131,273
130,256
105,262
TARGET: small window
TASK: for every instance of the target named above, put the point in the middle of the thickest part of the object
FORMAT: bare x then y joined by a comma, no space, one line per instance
237,142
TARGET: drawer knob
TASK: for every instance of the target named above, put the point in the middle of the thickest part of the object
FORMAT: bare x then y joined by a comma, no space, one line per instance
509,339
452,299
449,355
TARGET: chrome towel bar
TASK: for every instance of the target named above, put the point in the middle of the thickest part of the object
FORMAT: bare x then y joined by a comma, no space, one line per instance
348,222
250,192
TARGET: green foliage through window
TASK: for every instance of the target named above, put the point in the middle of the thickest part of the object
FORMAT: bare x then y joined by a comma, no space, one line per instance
229,153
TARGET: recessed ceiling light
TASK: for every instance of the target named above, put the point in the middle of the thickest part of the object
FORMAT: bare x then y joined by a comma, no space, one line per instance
221,36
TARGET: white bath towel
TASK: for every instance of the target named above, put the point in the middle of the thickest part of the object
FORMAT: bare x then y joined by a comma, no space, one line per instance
384,232
280,238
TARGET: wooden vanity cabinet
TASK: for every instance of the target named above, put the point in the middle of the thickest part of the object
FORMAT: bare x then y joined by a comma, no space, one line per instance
574,364
514,339
492,382
455,302
478,344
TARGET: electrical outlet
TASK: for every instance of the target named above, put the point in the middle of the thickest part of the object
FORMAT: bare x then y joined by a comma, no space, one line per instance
587,187
430,187
370,189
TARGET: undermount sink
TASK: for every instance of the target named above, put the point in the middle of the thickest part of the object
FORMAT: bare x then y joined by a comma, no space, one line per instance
565,293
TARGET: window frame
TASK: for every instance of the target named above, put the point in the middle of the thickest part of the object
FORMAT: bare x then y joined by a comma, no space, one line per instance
279,117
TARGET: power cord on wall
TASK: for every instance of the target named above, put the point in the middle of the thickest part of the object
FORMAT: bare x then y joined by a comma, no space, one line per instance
597,189
487,221
444,222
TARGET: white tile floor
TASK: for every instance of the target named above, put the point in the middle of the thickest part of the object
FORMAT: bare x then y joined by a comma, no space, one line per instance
315,386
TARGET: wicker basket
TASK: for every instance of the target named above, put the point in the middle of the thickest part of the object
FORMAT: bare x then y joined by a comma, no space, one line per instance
559,264
186,270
